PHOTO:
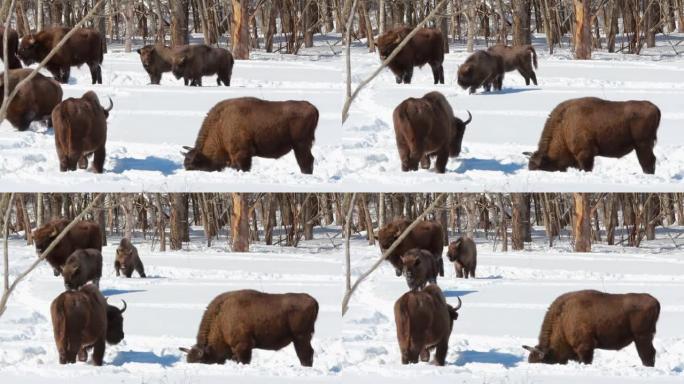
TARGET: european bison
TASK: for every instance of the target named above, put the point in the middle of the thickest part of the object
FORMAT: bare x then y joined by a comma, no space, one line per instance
426,235
420,267
235,130
578,130
12,46
425,47
424,321
481,69
127,259
156,59
518,58
81,320
194,61
81,130
463,253
237,322
82,266
576,323
85,46
85,234
34,101
427,127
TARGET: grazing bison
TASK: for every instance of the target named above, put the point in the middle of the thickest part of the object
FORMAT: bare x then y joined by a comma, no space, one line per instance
578,130
237,322
85,234
34,101
82,266
463,254
481,69
579,322
426,235
194,61
12,46
81,130
518,58
425,47
85,46
235,130
420,267
156,59
81,320
127,259
424,321
427,127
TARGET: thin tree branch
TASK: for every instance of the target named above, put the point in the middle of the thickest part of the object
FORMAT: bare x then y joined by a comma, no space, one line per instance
5,237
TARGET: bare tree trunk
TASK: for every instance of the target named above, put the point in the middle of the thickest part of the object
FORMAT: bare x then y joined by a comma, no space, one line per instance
239,223
521,22
161,226
127,203
582,224
178,220
518,219
471,15
129,17
240,30
179,23
582,29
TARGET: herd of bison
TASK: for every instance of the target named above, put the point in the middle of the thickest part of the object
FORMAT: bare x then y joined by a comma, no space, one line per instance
237,322
236,130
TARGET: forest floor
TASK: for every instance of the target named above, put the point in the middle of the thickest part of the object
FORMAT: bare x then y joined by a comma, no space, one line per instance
509,122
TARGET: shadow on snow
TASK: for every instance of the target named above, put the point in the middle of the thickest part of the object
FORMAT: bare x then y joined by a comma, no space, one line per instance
474,164
125,357
113,291
150,163
508,360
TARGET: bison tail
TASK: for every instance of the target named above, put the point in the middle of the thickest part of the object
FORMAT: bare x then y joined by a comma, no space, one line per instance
534,56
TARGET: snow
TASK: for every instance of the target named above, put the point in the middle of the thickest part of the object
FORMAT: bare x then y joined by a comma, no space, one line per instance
503,308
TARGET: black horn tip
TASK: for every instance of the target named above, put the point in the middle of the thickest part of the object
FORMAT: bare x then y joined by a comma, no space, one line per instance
470,118
122,310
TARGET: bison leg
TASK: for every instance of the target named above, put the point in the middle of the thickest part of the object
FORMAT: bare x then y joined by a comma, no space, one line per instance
98,352
459,269
243,353
646,158
441,352
585,352
117,267
533,76
408,75
525,75
585,160
442,159
155,78
242,161
441,266
68,162
83,354
304,350
185,81
140,269
472,89
304,158
83,162
425,355
99,159
128,272
437,73
425,162
94,67
66,72
441,74
644,345
398,78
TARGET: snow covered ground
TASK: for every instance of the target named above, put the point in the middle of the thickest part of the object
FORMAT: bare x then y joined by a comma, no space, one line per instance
165,309
503,308
508,122
149,125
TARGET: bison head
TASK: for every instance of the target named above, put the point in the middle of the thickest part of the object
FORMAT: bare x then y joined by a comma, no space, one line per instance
415,267
388,41
541,162
459,130
453,311
465,76
124,255
147,56
455,249
73,274
195,160
28,50
178,65
115,332
199,354
539,355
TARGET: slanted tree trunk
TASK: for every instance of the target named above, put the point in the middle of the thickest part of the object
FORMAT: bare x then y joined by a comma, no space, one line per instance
582,29
582,224
239,223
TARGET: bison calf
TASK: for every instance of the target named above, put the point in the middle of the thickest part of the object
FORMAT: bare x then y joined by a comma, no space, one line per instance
82,266
424,321
12,47
517,58
427,127
34,101
426,235
191,62
236,130
81,320
578,130
156,59
579,322
85,234
237,322
127,259
463,253
81,130
481,69
420,267
425,47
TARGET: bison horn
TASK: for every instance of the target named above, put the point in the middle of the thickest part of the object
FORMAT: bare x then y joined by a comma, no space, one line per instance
528,154
186,147
122,310
470,118
533,350
183,349
111,104
459,304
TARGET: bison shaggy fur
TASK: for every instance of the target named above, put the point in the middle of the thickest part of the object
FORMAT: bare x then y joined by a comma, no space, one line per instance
12,47
463,253
420,268
579,322
34,101
156,59
578,130
191,62
237,322
427,127
84,234
427,235
425,47
236,130
127,259
520,58
82,266
481,69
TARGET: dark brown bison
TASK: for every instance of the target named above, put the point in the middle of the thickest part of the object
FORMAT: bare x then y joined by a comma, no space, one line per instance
420,268
12,46
85,46
427,127
235,130
82,266
579,322
80,131
518,58
426,235
156,59
578,130
34,101
425,47
82,319
127,259
481,69
83,235
194,61
463,253
237,322
424,321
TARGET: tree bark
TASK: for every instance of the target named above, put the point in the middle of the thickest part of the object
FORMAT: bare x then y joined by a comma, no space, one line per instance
519,220
582,224
582,29
240,30
521,22
178,220
239,226
179,22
